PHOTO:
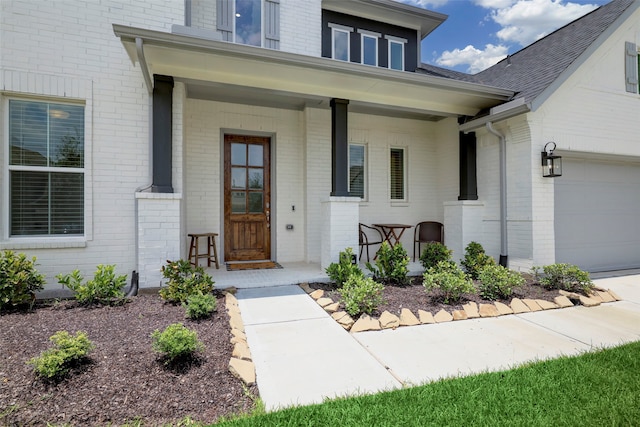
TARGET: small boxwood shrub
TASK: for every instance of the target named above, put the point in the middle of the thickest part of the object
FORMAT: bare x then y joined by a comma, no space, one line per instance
567,277
104,288
340,271
184,280
391,264
433,253
475,259
68,350
361,295
498,282
176,343
200,306
19,280
449,279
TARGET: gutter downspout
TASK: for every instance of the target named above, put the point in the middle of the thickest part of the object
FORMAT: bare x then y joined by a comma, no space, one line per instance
149,83
503,194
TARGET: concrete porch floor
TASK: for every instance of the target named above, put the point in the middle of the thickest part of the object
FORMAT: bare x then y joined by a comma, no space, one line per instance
289,274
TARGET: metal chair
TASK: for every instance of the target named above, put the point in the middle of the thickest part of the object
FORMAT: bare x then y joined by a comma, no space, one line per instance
366,241
427,231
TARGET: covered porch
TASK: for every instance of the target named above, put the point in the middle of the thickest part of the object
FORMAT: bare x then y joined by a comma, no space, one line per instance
309,112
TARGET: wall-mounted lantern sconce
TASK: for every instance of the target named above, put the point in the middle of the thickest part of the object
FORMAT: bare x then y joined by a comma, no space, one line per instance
551,164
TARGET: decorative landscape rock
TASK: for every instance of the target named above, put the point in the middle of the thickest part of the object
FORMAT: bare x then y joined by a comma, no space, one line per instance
343,318
443,316
546,305
407,318
605,296
563,301
459,315
366,323
488,310
532,304
388,320
503,309
332,308
241,351
588,302
518,306
244,370
318,293
614,295
425,317
471,308
305,287
323,302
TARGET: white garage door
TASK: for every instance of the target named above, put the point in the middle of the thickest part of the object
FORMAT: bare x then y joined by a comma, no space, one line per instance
597,214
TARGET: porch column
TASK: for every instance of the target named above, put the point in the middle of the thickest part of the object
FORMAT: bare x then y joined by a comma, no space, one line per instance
339,148
468,181
462,224
162,132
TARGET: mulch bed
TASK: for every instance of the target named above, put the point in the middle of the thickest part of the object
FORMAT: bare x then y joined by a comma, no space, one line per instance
415,297
124,380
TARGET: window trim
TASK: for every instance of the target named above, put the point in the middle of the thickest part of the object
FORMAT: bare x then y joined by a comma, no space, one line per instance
372,35
405,168
55,240
365,171
402,43
342,29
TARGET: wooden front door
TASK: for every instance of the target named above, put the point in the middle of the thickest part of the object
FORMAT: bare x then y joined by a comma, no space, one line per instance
247,198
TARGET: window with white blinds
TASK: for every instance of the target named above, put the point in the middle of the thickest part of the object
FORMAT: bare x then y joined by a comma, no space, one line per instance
46,168
357,170
397,174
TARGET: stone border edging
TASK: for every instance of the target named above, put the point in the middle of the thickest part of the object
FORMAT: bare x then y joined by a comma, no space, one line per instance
470,310
241,364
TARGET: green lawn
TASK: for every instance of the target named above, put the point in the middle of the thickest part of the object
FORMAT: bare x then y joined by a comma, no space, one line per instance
596,389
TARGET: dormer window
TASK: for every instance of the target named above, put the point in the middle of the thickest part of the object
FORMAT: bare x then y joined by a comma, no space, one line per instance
396,52
340,46
369,47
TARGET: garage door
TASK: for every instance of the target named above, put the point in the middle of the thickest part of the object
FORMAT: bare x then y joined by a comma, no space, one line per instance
597,214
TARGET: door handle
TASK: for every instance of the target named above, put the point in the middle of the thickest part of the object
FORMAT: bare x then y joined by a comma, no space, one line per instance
268,213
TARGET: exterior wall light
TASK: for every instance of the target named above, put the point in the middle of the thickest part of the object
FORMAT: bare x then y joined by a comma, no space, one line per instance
551,165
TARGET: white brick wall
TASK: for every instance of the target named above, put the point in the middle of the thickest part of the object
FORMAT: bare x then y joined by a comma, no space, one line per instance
339,228
67,50
301,26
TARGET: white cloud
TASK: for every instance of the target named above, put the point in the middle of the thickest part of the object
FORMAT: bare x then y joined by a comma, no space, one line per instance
477,59
525,21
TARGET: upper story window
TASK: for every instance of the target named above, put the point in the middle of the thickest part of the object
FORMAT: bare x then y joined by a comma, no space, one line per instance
46,168
340,42
250,22
369,47
366,41
396,52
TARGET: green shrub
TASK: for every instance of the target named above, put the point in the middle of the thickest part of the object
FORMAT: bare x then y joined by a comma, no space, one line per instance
339,272
19,280
433,253
361,295
184,280
176,342
498,282
475,260
199,306
55,362
391,264
566,277
447,277
104,288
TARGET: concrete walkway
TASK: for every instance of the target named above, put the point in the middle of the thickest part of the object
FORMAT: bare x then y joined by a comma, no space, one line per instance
302,356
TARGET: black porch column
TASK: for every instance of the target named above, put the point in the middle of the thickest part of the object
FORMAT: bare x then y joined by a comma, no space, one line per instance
162,132
339,148
468,181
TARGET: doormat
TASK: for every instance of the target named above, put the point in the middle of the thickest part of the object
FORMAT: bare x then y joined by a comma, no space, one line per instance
263,265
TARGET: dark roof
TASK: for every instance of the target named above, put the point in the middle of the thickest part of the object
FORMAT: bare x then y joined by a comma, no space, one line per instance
531,70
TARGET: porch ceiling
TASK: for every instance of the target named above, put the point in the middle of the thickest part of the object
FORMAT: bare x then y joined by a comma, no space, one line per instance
221,70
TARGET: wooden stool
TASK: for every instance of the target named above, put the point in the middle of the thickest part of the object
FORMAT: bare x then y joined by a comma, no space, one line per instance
194,255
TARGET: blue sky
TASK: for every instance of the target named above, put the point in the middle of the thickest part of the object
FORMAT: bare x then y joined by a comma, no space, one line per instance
479,33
